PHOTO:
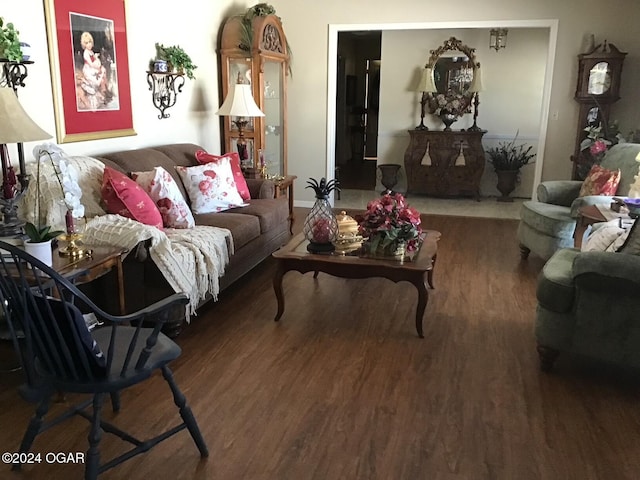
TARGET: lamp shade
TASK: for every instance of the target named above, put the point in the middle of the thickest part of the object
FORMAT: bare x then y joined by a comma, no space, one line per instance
15,125
240,103
426,81
476,85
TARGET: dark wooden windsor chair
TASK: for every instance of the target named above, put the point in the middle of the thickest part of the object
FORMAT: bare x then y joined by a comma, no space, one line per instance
60,354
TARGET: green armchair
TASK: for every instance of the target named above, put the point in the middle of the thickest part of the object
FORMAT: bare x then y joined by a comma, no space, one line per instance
589,304
549,223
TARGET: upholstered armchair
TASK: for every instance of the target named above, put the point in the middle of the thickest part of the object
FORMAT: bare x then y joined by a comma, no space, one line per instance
588,304
548,224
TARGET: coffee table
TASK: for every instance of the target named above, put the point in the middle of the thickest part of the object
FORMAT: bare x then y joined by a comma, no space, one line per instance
418,270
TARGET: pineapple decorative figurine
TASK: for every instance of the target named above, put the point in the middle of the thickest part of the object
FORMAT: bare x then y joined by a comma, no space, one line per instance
321,226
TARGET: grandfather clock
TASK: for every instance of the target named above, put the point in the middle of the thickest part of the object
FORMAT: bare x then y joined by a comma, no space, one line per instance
599,74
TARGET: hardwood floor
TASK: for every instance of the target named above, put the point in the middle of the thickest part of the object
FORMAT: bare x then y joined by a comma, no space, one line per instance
342,387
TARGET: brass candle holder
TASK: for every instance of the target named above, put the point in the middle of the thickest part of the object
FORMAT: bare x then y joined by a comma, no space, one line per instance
74,247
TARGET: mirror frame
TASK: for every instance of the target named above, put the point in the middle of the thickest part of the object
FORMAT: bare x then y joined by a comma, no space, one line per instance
466,98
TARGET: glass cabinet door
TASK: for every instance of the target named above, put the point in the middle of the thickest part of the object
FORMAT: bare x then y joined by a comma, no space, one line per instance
273,118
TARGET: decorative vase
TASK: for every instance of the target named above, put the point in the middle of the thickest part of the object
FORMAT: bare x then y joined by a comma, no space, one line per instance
321,227
394,250
507,180
448,119
389,178
40,250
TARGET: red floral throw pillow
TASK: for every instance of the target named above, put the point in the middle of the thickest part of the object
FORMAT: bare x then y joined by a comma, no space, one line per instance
600,181
241,184
123,196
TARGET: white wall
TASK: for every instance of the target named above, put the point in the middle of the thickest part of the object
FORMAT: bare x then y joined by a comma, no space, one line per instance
306,25
195,25
146,24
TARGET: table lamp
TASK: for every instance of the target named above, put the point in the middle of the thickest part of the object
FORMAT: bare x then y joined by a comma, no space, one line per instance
15,127
240,103
426,86
476,86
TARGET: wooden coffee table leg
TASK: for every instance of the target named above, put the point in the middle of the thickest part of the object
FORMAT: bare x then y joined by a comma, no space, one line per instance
423,298
430,272
277,288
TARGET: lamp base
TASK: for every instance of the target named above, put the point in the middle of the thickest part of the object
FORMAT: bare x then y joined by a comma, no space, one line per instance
12,229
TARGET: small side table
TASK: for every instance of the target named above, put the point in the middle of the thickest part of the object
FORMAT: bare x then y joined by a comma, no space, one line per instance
284,187
588,216
101,262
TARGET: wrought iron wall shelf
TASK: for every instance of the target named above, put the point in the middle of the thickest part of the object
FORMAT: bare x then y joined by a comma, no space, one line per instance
164,90
14,73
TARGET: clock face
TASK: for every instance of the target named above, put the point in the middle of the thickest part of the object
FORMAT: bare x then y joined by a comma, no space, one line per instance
599,79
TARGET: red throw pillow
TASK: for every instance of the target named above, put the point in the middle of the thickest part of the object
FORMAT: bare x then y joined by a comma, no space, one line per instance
123,196
600,181
241,184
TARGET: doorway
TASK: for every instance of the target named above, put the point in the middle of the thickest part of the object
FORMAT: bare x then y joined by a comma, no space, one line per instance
357,106
548,25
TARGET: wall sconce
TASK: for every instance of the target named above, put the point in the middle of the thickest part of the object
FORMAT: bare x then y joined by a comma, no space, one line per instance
164,90
240,103
426,86
498,38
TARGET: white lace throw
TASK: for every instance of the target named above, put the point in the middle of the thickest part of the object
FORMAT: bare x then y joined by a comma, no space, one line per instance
192,260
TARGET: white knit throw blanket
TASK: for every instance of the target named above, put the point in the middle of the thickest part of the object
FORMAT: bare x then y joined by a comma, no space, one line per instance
192,260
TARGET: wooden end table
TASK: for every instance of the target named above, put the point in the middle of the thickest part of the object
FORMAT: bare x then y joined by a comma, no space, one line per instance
284,187
418,271
589,215
101,262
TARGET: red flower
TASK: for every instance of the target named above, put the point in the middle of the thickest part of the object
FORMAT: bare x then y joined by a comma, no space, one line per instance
389,219
599,146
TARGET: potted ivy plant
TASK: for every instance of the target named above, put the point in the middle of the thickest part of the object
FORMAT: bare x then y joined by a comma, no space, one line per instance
177,59
507,159
10,48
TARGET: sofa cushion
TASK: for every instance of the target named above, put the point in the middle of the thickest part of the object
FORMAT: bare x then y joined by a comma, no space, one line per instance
241,184
244,228
210,187
123,196
164,191
556,288
600,181
552,220
146,159
269,211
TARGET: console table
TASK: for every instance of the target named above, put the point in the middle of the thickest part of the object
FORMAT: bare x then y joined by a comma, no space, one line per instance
453,167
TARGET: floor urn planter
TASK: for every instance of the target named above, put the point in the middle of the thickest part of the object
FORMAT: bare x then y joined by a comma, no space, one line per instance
507,181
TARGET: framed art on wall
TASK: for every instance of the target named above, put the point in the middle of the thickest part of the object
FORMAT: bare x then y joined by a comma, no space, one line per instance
89,69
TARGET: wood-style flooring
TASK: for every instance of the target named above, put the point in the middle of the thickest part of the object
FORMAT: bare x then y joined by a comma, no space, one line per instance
342,387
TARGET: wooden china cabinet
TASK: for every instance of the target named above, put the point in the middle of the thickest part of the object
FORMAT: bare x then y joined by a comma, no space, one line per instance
445,163
258,57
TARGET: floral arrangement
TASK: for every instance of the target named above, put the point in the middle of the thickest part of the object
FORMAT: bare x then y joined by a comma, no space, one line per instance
599,139
390,220
455,103
67,177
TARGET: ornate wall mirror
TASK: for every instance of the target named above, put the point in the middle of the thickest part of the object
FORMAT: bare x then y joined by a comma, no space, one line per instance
455,82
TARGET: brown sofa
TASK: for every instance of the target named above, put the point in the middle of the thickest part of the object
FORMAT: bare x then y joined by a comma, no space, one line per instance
257,230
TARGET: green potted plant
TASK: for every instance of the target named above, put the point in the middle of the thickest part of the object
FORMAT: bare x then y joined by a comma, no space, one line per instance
10,48
507,160
177,59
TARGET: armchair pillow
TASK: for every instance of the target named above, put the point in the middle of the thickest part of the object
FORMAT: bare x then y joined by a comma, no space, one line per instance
600,181
211,187
241,184
605,237
123,196
164,191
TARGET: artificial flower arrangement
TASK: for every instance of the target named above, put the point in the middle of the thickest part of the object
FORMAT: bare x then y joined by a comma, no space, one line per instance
450,102
599,139
388,221
67,177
